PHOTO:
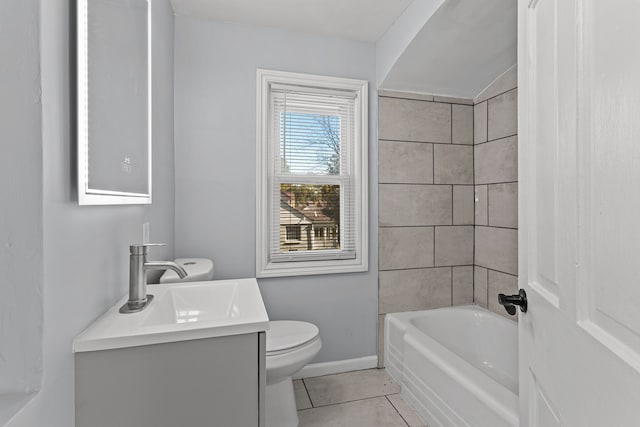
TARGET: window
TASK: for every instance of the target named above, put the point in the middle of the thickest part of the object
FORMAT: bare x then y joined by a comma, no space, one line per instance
311,173
293,232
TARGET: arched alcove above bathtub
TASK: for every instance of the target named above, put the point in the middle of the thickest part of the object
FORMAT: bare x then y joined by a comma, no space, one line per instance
453,47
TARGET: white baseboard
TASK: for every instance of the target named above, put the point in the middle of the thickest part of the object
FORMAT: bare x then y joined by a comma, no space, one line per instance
337,367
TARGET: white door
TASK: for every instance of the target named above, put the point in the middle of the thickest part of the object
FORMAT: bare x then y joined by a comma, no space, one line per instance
579,142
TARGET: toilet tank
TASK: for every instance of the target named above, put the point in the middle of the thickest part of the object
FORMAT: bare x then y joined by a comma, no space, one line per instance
198,269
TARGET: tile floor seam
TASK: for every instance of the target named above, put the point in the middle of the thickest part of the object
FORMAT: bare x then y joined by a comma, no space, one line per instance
341,411
342,403
346,401
394,407
307,391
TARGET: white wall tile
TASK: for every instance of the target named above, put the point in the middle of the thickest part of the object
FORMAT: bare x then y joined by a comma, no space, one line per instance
462,285
462,124
481,205
497,161
407,205
452,164
463,205
410,120
405,162
496,249
480,280
454,245
503,205
502,115
406,290
480,123
405,247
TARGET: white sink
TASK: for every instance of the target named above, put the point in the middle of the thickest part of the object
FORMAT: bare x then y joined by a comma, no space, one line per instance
202,302
179,312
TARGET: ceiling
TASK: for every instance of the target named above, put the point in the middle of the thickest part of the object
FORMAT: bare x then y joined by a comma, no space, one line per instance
363,20
460,50
441,47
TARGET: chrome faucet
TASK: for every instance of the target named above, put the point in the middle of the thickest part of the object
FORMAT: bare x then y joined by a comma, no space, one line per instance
138,268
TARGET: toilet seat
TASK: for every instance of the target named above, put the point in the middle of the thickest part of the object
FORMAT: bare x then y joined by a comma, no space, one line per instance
285,336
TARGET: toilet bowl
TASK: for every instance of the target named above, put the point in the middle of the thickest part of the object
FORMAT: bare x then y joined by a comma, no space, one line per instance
290,346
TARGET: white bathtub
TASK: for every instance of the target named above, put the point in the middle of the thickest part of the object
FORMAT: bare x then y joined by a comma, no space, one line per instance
458,366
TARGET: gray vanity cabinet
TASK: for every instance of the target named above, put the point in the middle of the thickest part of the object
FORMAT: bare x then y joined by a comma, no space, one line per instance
213,382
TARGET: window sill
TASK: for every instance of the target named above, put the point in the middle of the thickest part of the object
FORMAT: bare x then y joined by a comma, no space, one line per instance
309,268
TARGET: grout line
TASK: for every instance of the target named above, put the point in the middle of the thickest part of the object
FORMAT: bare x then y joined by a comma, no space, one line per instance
487,289
347,401
473,163
497,226
452,286
496,139
308,394
439,184
433,163
427,225
396,409
495,96
451,123
434,246
431,142
488,221
429,268
433,185
498,183
452,222
487,117
413,183
408,98
473,275
498,271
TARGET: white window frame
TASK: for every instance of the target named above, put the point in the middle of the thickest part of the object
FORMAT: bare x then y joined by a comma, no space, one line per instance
264,266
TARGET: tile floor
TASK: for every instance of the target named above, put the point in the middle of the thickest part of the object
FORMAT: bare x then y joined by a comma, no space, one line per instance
368,398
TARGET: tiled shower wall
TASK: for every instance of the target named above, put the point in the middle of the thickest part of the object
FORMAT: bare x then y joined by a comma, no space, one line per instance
426,208
447,200
496,192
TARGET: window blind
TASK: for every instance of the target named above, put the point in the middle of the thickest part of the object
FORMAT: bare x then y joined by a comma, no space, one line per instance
311,174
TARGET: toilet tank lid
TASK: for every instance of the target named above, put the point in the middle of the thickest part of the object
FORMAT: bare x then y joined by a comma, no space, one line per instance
286,334
198,269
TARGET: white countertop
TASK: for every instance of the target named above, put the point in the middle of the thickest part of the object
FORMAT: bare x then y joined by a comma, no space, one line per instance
180,312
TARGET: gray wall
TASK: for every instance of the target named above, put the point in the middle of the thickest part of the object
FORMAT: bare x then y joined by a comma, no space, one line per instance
21,265
85,248
215,169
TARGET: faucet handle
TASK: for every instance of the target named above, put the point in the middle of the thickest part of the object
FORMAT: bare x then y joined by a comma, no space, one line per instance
141,248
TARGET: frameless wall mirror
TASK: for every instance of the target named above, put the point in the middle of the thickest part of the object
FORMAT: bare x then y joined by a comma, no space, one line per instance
114,101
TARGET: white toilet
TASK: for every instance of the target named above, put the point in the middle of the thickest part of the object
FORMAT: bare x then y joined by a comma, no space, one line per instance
290,346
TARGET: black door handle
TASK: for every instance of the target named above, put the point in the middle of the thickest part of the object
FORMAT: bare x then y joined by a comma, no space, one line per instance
510,301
